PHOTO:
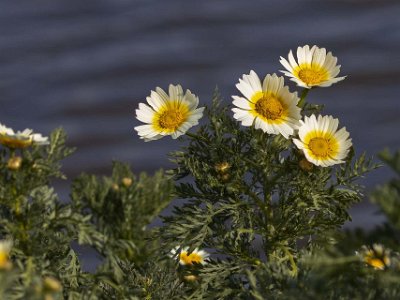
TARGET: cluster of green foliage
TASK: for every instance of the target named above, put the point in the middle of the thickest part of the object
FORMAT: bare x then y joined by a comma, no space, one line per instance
271,221
109,214
262,215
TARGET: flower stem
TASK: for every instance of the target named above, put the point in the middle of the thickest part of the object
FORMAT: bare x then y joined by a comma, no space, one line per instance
303,96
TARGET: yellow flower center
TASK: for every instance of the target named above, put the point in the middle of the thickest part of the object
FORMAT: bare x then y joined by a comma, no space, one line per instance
15,142
319,146
191,258
377,258
377,263
171,117
312,74
268,106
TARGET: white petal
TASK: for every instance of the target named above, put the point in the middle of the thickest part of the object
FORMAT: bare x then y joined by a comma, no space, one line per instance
245,89
144,114
163,95
241,102
292,60
155,102
175,92
253,80
286,64
191,100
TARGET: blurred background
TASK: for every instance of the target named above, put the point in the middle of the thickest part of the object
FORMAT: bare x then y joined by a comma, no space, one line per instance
85,66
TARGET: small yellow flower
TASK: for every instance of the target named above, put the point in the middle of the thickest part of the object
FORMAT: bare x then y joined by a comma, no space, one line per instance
5,248
168,114
314,67
321,141
186,258
20,139
376,256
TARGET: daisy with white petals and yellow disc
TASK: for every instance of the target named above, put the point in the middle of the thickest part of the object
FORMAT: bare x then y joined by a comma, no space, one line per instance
168,114
20,139
314,67
270,105
195,257
321,141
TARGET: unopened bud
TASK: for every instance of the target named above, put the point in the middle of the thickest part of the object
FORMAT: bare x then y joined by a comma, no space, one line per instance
126,181
190,278
305,165
225,177
51,284
115,187
14,163
222,167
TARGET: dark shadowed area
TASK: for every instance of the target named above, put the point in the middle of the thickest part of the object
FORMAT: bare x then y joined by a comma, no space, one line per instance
85,66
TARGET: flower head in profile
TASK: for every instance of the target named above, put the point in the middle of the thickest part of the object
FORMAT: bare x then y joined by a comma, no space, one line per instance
20,139
321,141
376,256
314,67
5,248
168,114
269,105
186,258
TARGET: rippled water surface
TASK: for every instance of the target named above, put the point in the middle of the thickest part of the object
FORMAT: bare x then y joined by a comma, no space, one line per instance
85,66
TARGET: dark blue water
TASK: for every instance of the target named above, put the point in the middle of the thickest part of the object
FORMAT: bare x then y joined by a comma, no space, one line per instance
85,66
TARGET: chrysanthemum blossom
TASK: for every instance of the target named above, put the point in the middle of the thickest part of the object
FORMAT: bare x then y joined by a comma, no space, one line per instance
376,256
269,105
5,248
168,114
321,141
314,67
186,258
20,139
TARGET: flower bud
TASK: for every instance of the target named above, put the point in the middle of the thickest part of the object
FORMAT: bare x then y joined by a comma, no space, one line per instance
305,165
190,278
225,177
14,163
51,284
222,167
115,187
126,181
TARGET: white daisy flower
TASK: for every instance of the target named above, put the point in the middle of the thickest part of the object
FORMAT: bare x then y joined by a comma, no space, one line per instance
5,249
20,139
270,105
322,144
376,256
195,257
314,67
171,114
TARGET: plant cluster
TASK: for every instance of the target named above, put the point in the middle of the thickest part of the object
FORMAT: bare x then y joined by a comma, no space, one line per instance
265,195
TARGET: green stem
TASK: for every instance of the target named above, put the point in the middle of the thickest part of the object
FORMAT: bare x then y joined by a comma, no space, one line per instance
258,201
294,270
303,96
